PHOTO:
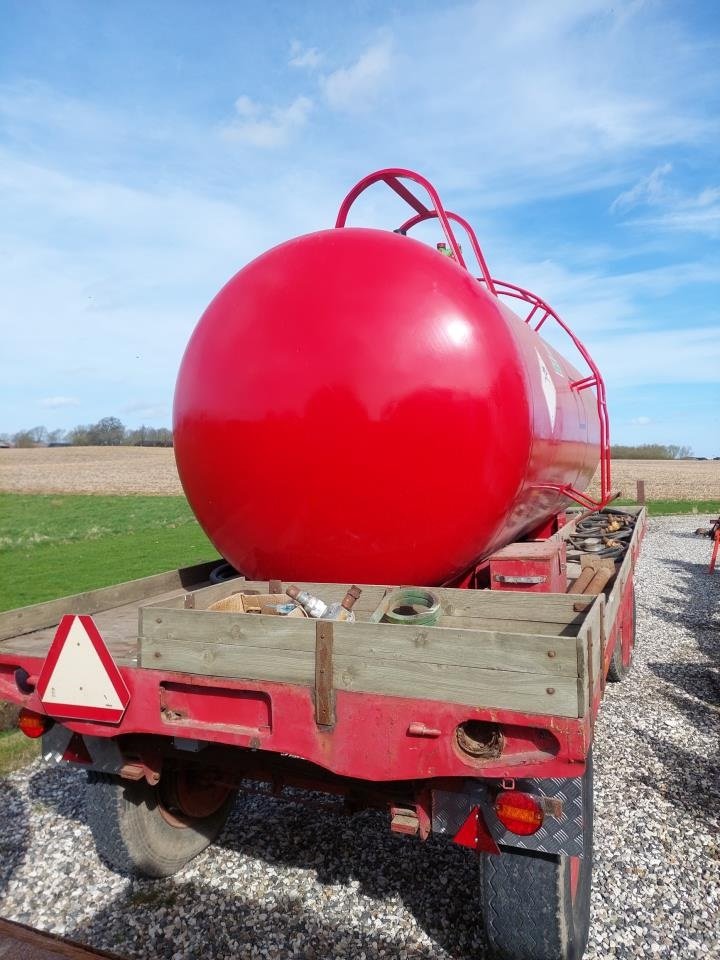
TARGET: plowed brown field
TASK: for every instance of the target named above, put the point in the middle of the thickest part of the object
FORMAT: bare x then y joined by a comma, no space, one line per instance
125,470
151,470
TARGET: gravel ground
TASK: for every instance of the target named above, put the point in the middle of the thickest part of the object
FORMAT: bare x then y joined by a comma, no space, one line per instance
287,881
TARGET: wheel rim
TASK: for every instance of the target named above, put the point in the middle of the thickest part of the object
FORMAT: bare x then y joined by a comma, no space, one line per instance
184,798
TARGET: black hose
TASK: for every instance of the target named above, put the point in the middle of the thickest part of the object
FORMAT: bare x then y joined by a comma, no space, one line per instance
221,573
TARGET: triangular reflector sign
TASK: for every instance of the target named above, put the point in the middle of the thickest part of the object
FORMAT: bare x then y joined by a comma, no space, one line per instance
79,679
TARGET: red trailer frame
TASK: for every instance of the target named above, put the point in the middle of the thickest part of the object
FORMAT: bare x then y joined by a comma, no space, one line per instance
451,768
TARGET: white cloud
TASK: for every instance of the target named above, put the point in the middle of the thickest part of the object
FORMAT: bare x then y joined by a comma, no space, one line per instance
246,107
641,421
54,403
267,127
673,208
691,214
307,57
651,189
354,87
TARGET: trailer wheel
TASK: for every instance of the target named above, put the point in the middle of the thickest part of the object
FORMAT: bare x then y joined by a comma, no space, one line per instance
141,830
621,660
536,905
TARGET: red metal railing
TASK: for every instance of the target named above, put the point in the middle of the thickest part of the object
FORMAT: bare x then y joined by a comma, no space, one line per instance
499,288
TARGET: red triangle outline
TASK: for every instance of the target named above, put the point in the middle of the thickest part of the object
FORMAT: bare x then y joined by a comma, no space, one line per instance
76,711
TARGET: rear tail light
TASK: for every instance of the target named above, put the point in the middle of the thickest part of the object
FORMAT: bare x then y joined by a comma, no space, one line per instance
520,813
32,724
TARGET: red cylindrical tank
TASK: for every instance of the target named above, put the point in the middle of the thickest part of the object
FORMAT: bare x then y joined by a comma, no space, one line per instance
354,406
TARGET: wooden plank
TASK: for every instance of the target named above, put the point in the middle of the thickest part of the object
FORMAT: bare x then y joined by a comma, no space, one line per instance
544,628
14,623
324,678
20,942
616,594
329,592
583,693
219,626
229,660
502,604
481,649
449,683
589,647
202,597
499,689
486,604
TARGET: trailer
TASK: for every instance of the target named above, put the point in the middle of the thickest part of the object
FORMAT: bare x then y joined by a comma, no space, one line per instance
476,727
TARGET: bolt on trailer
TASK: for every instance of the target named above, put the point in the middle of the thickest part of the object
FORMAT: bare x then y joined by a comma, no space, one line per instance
465,710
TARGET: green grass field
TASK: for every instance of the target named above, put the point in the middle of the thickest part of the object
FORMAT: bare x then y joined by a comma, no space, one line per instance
16,751
665,508
51,546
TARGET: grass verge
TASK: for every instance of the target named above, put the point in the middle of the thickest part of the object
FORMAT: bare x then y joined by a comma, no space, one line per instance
16,751
664,508
52,546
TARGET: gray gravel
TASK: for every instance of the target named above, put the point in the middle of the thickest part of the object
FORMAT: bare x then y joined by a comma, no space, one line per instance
287,881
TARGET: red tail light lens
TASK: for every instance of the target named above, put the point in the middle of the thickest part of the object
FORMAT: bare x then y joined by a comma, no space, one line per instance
519,812
32,724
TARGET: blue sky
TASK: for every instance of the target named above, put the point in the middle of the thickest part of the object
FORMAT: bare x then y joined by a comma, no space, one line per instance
149,150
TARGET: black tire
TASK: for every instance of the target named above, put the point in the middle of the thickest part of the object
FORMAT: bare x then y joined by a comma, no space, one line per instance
133,833
617,671
529,910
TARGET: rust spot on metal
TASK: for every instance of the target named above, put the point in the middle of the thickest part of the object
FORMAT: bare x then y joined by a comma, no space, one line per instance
479,739
551,654
404,820
132,771
418,729
553,807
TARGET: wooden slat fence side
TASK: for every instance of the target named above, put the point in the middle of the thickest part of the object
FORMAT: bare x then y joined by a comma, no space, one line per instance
545,628
482,649
510,671
614,599
500,689
229,660
589,653
38,616
485,604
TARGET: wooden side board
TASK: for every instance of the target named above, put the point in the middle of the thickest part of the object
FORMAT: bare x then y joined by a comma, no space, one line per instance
624,573
14,623
536,608
533,672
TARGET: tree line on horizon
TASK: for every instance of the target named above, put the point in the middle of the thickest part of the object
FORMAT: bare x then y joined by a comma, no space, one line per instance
111,432
650,451
107,432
